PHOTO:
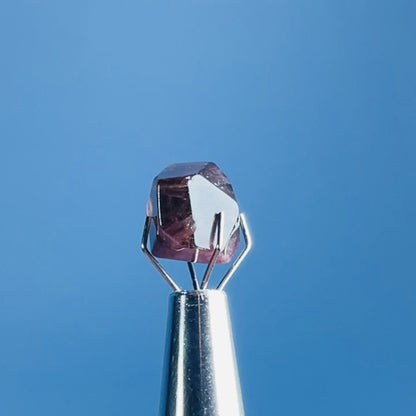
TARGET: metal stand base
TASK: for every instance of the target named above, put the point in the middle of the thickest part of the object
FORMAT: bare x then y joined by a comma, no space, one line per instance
200,374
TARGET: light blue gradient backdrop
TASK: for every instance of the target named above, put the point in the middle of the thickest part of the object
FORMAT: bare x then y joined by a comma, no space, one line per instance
308,106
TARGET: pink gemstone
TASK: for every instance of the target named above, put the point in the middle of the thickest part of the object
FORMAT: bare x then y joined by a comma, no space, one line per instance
184,200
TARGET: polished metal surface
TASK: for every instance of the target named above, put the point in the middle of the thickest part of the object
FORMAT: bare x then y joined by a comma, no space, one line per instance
200,374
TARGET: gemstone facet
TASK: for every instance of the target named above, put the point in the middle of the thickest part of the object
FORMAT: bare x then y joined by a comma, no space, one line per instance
184,201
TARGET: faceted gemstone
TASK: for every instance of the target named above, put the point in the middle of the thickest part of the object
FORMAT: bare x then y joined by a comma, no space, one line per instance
184,201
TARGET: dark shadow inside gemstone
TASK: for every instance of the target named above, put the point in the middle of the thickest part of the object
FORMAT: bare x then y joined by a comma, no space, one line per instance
174,198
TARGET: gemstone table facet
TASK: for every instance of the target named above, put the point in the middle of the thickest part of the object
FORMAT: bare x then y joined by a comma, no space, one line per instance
184,201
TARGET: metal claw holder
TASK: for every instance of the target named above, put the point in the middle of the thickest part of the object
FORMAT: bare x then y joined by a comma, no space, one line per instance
200,376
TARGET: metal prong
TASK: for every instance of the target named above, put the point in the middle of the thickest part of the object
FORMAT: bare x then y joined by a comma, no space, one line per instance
249,243
193,276
215,254
152,258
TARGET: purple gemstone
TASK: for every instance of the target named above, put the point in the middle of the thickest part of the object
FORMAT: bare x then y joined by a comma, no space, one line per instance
184,200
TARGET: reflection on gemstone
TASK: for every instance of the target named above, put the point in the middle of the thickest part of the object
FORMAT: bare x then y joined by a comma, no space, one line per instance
184,200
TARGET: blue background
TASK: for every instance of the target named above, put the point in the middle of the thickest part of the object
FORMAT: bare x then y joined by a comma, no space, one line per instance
310,109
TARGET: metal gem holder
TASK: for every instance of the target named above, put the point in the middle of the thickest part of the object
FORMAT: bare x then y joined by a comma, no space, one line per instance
242,223
200,375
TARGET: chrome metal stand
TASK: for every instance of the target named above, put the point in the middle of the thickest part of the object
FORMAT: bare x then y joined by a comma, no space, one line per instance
200,370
